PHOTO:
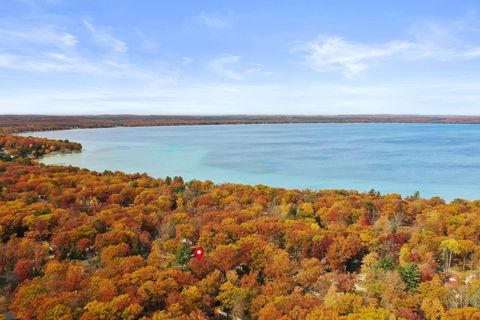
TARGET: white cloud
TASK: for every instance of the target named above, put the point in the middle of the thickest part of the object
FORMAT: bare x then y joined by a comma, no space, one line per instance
49,63
427,41
215,21
335,53
52,63
39,35
104,36
224,66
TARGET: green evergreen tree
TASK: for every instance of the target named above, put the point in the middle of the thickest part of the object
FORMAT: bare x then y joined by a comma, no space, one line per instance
411,276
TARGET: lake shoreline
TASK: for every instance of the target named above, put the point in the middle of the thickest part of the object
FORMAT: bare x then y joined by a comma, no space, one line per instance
10,124
197,164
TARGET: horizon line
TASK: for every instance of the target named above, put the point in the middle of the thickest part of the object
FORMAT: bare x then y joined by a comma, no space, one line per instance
236,115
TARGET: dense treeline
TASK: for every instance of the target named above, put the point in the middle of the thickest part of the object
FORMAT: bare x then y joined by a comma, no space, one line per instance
20,123
13,146
76,244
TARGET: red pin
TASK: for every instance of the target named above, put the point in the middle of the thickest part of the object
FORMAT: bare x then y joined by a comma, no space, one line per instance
199,253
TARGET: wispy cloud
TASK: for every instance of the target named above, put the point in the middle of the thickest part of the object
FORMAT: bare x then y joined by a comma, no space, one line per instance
227,66
48,49
334,53
58,63
38,35
104,36
427,41
215,21
46,63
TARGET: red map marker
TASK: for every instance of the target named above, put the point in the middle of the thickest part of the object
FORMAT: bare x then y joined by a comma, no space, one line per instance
199,253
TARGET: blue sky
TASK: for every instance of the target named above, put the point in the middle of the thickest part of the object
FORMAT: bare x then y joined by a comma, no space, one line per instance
239,57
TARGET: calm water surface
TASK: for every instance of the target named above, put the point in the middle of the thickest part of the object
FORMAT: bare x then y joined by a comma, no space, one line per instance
435,159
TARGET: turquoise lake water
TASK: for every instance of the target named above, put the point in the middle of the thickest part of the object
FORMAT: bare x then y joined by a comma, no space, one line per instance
435,159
